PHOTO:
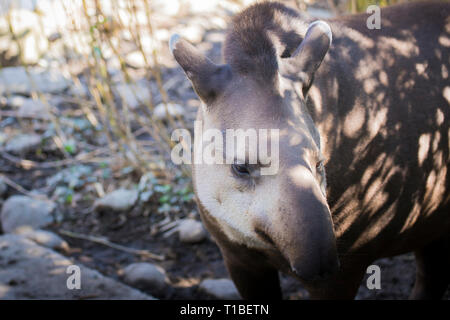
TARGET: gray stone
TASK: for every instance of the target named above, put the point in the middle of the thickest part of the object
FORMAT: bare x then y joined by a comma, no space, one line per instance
118,200
222,289
166,7
145,275
79,90
173,109
133,95
23,143
135,59
18,211
191,231
33,109
27,107
16,101
192,33
14,80
33,41
30,271
44,238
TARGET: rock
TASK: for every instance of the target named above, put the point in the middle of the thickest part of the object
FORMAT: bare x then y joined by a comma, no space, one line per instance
173,109
162,35
26,26
16,101
14,80
191,231
3,187
28,107
44,238
20,211
166,7
30,271
135,59
145,275
193,33
23,143
201,7
79,90
133,95
150,43
118,200
221,289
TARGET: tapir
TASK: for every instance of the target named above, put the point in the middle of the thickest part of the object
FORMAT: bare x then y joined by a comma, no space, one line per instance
363,119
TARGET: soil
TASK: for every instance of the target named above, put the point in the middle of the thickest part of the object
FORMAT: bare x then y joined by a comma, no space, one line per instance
187,264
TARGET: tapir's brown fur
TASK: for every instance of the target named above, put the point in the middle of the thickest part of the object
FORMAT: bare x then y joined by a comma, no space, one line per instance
380,101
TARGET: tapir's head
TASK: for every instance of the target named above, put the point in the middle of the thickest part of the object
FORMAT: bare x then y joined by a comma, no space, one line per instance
269,196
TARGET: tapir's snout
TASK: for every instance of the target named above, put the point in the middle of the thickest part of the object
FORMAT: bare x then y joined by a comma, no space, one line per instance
312,255
325,265
302,229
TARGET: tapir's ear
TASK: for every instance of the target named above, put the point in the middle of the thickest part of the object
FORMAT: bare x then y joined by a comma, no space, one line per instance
208,78
312,50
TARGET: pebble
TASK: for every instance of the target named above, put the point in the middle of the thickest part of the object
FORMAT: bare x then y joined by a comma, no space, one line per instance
18,211
173,109
15,80
145,275
118,200
133,95
222,289
44,238
191,231
23,143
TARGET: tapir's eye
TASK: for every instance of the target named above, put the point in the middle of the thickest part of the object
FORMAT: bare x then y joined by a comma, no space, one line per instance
240,170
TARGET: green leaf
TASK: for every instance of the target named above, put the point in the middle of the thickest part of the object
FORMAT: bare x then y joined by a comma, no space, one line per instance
68,199
70,147
163,188
164,199
188,197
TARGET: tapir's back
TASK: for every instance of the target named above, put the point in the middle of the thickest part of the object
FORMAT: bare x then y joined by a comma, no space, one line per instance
388,90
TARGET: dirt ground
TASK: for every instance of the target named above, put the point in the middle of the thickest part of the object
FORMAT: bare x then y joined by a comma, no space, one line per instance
187,264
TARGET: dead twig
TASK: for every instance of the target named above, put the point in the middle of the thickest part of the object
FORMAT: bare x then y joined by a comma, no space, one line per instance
16,114
28,164
19,188
103,241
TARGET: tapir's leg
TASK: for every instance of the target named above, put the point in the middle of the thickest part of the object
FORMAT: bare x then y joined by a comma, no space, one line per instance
433,270
254,280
